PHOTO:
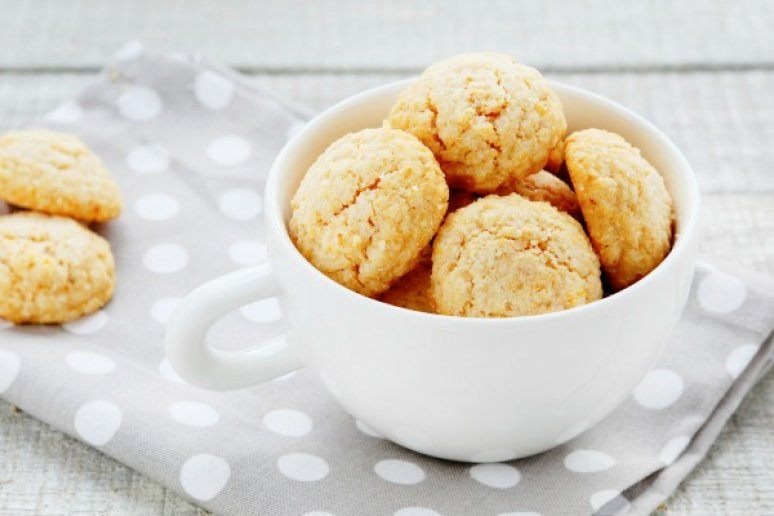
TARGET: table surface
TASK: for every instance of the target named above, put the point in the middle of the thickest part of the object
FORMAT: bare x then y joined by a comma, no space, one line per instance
702,70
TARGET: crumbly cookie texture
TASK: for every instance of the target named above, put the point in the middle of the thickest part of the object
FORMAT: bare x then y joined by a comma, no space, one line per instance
367,207
627,208
544,186
556,158
58,174
488,119
412,290
509,256
52,269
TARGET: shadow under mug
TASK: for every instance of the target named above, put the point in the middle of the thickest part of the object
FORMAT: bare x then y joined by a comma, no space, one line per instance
458,388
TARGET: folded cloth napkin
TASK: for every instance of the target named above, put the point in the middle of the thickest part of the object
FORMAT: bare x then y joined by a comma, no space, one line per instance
190,144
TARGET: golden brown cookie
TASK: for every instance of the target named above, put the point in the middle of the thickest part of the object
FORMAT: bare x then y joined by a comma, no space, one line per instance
488,119
556,158
509,256
367,207
412,290
627,208
52,269
56,173
544,186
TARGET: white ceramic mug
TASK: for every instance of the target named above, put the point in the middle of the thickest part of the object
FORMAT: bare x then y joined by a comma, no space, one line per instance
458,388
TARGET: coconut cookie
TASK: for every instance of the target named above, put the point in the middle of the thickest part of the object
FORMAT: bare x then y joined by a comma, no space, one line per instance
509,256
52,269
627,208
488,119
546,187
56,173
367,207
412,290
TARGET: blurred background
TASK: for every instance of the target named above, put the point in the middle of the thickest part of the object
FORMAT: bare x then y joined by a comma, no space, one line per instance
703,71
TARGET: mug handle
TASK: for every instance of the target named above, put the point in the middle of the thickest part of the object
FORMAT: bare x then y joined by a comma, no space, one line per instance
201,365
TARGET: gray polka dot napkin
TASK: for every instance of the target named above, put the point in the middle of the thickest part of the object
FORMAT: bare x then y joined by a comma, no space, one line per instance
190,144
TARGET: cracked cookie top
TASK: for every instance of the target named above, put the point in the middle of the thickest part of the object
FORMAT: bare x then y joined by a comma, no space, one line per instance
56,173
509,256
625,203
367,207
52,269
489,120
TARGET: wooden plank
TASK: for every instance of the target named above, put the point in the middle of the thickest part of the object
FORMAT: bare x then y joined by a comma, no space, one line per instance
722,121
397,35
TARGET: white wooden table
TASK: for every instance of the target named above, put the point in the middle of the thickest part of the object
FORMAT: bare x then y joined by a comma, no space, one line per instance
701,70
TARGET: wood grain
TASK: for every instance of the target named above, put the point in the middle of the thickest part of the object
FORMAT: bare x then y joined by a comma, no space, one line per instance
347,35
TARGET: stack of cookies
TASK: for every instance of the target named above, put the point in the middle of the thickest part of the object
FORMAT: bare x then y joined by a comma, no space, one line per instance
53,269
471,201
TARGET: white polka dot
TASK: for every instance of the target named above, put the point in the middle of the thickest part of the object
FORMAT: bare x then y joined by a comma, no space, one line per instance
294,129
500,476
247,252
672,450
87,325
90,363
65,113
148,159
162,310
131,50
9,368
213,90
240,204
659,389
288,422
367,429
721,293
96,422
165,258
156,207
399,471
193,413
739,358
572,432
304,467
229,150
139,103
203,476
263,311
618,504
168,373
588,461
416,511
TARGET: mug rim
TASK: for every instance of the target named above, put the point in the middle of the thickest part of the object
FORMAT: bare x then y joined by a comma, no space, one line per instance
681,247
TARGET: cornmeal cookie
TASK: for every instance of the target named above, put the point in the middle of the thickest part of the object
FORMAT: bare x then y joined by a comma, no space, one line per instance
412,290
52,269
367,207
509,256
544,186
488,119
56,173
627,208
556,158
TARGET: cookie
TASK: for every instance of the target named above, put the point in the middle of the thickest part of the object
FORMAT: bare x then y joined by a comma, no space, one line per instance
488,119
52,269
509,256
412,290
56,173
367,207
546,187
556,158
627,208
